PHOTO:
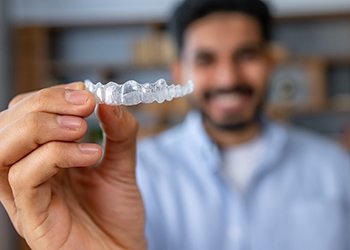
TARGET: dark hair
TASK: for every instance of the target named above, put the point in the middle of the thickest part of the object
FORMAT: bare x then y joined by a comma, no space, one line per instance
189,11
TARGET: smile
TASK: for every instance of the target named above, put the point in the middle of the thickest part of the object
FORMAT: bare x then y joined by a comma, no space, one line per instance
229,101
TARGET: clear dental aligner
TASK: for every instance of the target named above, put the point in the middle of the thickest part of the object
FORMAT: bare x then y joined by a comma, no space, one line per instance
133,93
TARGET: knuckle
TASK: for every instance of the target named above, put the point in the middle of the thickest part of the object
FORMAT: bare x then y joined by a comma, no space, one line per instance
2,117
53,149
14,100
43,98
33,121
57,153
11,102
14,178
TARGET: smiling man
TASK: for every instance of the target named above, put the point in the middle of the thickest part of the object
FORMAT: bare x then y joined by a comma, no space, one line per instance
226,56
228,178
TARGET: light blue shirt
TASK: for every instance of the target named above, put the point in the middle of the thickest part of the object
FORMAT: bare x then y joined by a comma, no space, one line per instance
298,199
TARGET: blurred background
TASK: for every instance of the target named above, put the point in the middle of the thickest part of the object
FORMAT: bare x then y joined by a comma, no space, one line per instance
45,42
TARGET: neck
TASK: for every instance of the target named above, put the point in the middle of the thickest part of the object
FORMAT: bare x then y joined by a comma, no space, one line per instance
226,138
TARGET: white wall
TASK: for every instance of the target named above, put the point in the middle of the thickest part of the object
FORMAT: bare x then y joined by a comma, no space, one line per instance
77,11
70,11
305,7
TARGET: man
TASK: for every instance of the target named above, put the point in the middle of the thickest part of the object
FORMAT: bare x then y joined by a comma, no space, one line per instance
225,179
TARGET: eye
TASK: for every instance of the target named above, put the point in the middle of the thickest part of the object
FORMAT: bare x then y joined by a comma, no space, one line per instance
247,54
203,59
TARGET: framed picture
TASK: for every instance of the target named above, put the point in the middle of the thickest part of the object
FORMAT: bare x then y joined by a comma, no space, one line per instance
298,86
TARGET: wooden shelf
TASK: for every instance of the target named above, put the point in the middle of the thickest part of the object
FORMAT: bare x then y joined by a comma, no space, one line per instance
34,44
59,66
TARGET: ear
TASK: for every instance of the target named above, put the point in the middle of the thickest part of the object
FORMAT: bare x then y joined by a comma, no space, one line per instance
176,71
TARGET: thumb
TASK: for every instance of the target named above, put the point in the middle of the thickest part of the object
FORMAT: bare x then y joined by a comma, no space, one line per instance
120,131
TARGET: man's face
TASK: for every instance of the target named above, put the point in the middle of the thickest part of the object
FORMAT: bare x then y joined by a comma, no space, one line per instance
225,55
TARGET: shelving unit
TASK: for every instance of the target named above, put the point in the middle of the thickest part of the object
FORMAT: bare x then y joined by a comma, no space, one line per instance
42,58
120,51
130,58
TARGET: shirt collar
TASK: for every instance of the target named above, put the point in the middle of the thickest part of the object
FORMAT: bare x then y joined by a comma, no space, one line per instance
200,142
274,135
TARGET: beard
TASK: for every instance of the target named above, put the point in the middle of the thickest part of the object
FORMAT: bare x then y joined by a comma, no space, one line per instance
233,123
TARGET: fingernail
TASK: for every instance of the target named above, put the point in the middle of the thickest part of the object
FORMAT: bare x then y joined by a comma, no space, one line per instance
69,122
75,86
88,148
76,97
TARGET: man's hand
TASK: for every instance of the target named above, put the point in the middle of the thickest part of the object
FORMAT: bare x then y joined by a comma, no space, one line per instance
53,196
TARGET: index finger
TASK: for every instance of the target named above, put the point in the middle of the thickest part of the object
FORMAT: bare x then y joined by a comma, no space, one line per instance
53,100
20,97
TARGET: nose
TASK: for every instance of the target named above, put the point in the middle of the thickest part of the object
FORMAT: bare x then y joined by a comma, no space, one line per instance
227,74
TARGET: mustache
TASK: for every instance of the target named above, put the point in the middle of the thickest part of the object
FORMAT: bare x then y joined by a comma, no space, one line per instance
241,89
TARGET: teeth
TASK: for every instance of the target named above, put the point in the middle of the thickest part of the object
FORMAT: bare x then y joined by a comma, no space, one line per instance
133,93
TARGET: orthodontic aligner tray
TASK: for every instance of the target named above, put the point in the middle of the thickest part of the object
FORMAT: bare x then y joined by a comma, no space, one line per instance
133,93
